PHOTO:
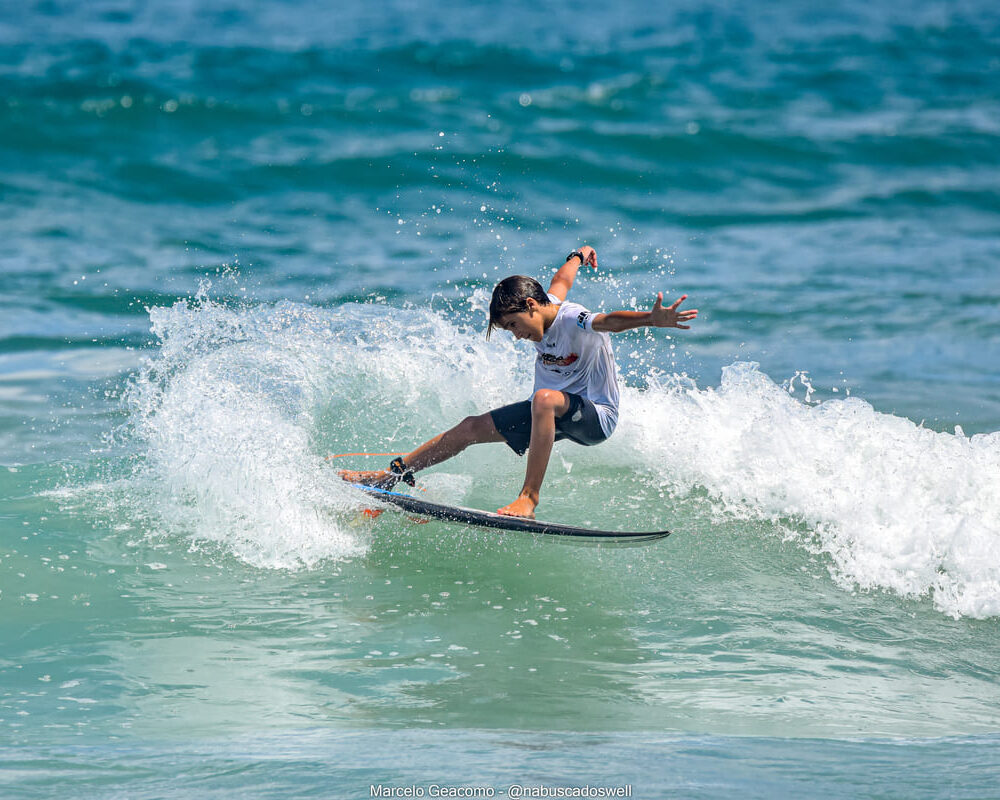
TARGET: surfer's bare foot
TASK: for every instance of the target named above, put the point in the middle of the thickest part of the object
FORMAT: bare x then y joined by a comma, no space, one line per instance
383,479
522,507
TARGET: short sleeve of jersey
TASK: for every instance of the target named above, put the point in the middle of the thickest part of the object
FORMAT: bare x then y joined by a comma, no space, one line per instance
576,318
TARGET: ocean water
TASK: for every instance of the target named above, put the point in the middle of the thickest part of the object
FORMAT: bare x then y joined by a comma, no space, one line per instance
239,238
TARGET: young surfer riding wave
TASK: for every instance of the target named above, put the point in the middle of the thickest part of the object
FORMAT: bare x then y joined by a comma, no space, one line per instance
575,395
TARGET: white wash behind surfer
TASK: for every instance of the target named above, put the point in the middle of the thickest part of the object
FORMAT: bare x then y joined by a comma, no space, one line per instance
576,380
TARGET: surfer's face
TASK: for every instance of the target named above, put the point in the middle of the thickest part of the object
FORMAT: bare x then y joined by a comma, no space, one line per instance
524,324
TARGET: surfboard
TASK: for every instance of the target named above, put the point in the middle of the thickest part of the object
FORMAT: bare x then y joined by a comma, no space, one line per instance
486,519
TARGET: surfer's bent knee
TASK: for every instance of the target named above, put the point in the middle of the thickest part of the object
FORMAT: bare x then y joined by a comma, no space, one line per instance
549,399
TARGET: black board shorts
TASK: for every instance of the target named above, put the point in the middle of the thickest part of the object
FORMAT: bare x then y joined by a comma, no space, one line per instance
580,424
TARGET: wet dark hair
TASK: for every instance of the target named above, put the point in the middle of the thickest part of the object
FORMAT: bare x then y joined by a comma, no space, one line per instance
510,296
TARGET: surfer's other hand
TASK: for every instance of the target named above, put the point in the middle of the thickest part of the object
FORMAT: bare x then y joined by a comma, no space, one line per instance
670,316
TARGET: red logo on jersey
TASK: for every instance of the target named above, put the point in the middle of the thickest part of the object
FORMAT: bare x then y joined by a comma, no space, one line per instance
550,360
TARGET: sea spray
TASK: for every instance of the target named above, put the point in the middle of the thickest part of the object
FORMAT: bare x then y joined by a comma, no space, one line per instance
240,406
237,410
895,506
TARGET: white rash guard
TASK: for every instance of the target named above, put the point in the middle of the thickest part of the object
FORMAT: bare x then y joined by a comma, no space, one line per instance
572,357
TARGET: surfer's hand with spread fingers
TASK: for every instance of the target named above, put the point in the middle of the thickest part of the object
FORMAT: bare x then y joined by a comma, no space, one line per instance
670,316
660,317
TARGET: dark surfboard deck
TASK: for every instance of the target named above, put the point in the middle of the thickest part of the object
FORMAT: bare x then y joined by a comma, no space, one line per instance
485,519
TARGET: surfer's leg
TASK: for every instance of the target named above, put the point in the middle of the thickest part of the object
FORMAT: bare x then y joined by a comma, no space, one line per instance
471,430
546,405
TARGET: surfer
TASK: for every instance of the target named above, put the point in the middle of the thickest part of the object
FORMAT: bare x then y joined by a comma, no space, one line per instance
575,395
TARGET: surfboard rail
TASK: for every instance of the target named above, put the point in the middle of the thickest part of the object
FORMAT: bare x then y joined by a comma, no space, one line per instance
486,519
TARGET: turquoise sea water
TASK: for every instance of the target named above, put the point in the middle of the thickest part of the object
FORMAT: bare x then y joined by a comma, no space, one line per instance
240,237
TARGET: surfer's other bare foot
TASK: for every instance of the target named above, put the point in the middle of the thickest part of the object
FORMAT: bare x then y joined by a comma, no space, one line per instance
522,507
383,479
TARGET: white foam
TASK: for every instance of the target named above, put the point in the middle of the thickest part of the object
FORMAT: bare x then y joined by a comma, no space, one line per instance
238,408
896,506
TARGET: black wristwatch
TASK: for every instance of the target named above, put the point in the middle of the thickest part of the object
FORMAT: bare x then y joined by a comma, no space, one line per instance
579,255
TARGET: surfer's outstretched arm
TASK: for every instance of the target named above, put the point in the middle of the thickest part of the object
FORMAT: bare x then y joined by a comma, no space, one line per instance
562,282
660,317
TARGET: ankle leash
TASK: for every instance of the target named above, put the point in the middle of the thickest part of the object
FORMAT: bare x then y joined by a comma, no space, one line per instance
402,472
